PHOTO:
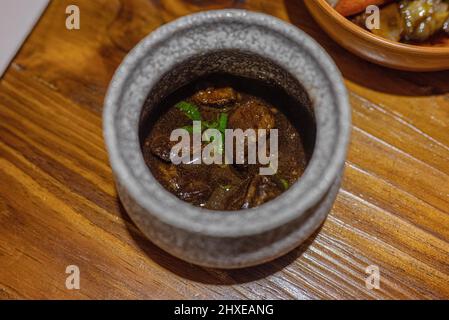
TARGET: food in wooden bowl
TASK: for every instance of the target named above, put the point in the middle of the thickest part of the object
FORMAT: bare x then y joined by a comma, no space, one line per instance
420,22
412,35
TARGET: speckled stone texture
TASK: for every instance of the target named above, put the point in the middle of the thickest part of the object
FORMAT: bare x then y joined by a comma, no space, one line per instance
246,44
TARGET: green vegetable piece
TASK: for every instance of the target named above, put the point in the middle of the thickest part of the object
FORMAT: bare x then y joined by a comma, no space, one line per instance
284,183
210,125
188,128
222,122
222,125
190,110
226,187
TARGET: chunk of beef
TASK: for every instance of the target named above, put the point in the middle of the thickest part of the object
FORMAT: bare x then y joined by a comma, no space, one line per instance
169,176
219,198
173,177
228,197
253,114
225,174
216,97
237,201
229,194
260,190
196,192
160,146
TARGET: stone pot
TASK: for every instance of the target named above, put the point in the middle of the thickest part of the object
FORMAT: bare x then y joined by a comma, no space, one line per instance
245,44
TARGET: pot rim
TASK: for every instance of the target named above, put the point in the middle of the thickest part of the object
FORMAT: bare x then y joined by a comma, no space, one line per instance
243,222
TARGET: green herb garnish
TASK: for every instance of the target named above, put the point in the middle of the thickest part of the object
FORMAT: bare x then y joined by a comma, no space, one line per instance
284,183
226,187
188,128
210,124
190,110
222,122
193,113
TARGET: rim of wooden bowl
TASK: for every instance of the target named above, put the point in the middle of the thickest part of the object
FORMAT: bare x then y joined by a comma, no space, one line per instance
398,46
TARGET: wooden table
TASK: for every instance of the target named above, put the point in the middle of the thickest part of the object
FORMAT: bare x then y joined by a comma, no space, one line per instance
59,207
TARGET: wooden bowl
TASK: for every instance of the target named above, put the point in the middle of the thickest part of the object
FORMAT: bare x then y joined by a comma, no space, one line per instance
374,48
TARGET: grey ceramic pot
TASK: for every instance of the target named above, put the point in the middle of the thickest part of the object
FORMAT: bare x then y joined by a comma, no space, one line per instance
245,44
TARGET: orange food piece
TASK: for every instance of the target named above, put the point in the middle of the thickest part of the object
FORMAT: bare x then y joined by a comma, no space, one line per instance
351,7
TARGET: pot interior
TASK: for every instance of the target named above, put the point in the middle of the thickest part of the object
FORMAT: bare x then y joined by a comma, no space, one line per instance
243,71
236,63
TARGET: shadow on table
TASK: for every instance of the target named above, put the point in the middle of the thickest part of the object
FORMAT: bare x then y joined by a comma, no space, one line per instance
210,275
363,72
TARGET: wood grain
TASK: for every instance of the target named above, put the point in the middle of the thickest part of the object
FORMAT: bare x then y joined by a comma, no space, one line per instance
59,207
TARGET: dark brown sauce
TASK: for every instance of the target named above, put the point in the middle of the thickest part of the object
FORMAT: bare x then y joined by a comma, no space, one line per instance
248,104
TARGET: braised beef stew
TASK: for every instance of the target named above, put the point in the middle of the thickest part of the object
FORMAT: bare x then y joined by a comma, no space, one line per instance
227,102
